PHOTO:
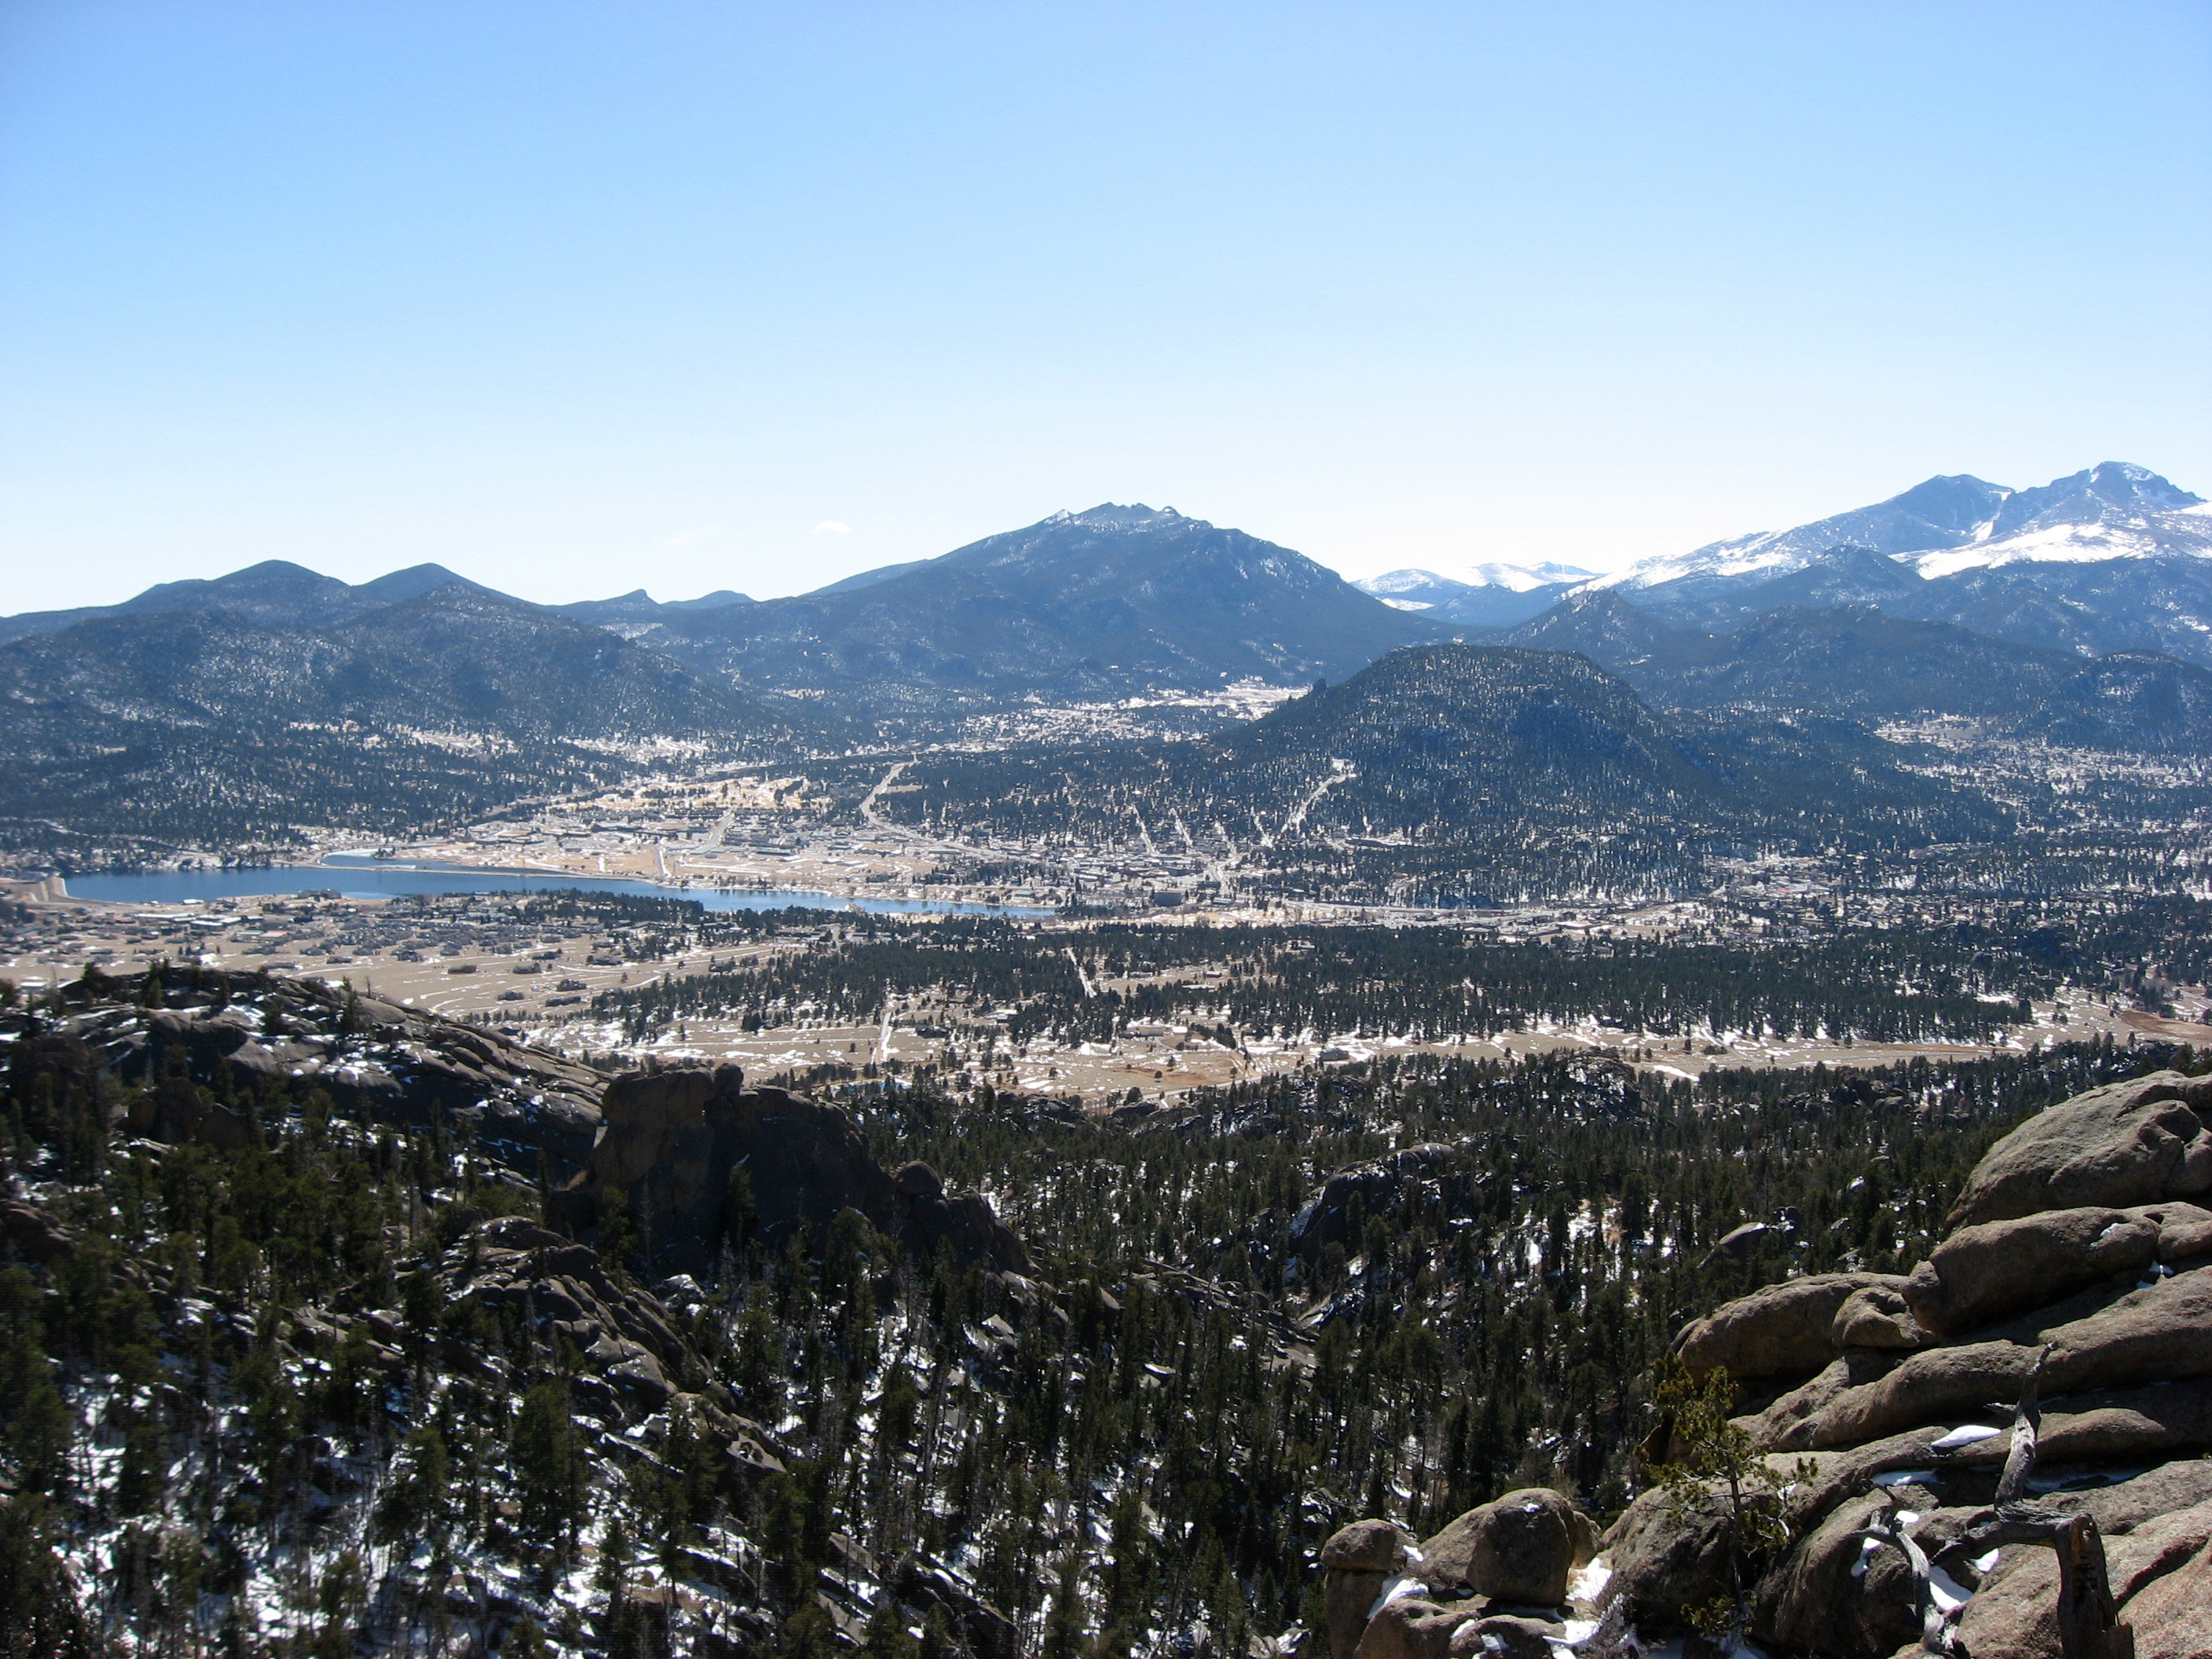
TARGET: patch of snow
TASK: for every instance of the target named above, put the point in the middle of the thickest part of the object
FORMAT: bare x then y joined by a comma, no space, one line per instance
2182,532
1966,1434
1397,1587
1948,1592
1589,1582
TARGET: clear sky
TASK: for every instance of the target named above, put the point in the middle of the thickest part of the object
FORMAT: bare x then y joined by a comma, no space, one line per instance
579,297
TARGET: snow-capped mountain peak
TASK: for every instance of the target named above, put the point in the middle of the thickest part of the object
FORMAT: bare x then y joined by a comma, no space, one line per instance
1957,522
1415,586
1949,510
1520,578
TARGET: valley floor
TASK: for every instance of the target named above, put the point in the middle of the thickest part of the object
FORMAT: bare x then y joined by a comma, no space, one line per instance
537,980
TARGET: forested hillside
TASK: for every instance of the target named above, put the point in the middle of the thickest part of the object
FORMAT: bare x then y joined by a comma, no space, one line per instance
155,729
1968,984
295,1364
1855,661
1457,772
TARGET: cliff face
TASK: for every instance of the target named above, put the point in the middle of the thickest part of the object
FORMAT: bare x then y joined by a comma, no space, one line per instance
702,1161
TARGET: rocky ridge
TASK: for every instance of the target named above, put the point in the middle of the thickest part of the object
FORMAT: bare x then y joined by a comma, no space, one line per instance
177,1071
2001,1453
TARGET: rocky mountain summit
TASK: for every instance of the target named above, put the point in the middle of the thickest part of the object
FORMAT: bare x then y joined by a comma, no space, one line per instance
2001,1453
2112,558
1101,603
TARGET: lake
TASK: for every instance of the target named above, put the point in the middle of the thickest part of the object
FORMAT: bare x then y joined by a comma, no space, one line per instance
362,877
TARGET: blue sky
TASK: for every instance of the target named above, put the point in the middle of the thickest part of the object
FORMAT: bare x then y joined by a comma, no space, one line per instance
576,298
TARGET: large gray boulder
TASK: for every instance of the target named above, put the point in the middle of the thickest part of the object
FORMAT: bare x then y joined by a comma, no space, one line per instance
1833,1597
1781,1331
1504,1636
1519,1549
1410,1628
1666,1560
2185,1233
1366,1546
2172,1618
2160,1333
1877,1316
1984,1273
2136,1142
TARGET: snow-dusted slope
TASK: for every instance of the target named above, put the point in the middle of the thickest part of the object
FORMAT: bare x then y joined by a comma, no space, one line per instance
1415,590
1958,522
1945,511
1491,595
2114,511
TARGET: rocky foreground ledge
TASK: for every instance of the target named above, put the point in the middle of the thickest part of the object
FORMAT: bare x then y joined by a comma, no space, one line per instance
2003,1454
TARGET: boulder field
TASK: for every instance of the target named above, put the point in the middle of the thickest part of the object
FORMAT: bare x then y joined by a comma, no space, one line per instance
2006,1454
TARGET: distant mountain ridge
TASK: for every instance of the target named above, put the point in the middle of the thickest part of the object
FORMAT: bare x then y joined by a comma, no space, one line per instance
2113,558
166,727
278,593
1499,596
1101,604
1954,523
275,592
1857,662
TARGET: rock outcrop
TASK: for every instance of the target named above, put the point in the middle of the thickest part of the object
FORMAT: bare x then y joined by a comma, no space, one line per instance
1984,1273
702,1160
2064,1324
1381,1187
1519,1548
1494,1581
262,1037
1785,1330
2130,1143
1356,1563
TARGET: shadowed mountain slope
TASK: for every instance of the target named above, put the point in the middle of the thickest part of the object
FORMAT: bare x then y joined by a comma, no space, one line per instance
1457,768
184,725
1855,661
1095,603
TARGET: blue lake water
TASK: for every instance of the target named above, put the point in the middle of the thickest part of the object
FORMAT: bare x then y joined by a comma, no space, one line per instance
357,876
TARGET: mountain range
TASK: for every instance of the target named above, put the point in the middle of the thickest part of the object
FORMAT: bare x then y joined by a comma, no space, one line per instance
2077,613
2112,558
174,727
1081,606
1121,600
1099,604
